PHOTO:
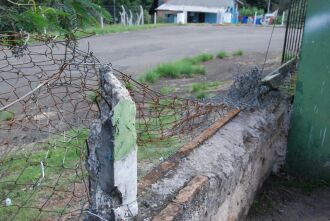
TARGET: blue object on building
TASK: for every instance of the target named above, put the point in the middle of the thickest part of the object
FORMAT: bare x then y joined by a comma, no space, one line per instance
245,19
210,18
258,22
171,18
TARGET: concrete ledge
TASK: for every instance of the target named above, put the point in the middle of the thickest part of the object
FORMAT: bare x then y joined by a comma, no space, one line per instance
223,174
185,196
172,162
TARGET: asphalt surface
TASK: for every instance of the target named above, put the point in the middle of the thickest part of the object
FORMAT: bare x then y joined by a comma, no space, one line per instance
136,51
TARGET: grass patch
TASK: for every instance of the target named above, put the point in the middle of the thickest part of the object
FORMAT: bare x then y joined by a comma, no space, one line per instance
173,70
121,28
62,155
153,133
182,68
238,53
166,90
202,90
200,58
107,29
164,148
20,174
21,177
222,55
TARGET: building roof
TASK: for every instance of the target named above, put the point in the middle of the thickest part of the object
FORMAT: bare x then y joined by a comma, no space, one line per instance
195,5
202,3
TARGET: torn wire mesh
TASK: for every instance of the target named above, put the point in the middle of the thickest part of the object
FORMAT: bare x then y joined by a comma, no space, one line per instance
49,96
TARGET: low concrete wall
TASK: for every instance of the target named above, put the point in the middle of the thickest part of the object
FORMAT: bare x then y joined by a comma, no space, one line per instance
219,179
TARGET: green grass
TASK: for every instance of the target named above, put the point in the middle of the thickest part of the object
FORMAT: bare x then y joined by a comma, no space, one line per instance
222,55
238,53
121,28
22,181
202,90
107,29
166,90
200,58
164,148
186,67
152,132
61,156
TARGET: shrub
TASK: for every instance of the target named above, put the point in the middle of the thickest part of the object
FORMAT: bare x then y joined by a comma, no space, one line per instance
238,53
185,67
63,18
222,54
201,58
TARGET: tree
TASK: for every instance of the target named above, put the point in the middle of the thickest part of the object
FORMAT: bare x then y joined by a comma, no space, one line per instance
53,15
275,4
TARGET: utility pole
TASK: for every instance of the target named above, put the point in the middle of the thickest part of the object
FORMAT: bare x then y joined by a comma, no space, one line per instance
268,9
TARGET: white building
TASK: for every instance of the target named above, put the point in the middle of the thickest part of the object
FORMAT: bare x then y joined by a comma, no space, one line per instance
199,11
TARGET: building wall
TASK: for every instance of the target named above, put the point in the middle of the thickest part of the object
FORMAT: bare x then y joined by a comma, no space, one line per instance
171,18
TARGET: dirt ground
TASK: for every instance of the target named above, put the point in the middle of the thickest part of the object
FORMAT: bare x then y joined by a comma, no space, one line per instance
281,198
222,70
284,198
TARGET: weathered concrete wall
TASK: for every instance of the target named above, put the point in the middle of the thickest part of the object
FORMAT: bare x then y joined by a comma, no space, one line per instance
219,179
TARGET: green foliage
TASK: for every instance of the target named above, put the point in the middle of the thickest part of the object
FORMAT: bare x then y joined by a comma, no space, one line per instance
174,70
147,17
6,116
222,54
258,3
93,96
238,53
60,16
118,28
161,19
200,58
250,11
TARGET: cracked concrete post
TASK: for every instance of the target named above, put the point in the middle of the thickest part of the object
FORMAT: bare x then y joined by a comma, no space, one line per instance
112,161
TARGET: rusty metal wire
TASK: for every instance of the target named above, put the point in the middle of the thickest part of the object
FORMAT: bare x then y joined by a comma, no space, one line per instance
49,93
162,117
45,110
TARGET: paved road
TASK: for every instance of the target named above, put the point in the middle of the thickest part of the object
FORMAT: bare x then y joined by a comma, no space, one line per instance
134,52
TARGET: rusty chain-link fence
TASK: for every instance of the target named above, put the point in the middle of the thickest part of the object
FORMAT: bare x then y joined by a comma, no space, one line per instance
49,95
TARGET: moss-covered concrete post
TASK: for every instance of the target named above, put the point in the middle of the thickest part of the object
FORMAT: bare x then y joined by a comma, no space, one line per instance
112,161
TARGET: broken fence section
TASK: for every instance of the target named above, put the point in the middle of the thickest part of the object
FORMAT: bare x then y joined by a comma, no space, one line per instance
53,97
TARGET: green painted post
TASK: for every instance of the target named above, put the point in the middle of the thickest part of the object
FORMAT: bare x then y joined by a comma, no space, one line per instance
309,137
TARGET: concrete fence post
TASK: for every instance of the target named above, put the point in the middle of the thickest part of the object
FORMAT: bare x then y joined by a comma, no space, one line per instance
283,17
112,160
255,18
155,18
